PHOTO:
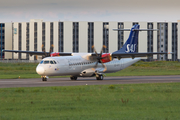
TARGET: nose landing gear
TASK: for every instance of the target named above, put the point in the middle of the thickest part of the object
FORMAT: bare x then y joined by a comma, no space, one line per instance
44,78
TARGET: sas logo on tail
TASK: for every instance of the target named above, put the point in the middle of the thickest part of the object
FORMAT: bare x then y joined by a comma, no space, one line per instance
131,48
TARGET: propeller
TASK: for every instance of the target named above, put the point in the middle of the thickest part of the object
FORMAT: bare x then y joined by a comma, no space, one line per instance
99,57
50,50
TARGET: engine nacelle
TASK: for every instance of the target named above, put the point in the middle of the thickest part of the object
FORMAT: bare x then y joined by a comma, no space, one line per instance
87,73
106,57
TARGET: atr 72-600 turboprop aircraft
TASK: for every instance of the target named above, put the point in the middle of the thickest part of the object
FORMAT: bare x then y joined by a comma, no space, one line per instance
89,64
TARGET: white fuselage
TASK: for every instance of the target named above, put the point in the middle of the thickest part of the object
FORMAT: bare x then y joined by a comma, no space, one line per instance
79,66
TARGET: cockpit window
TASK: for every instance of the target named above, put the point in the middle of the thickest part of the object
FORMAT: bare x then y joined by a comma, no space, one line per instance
46,62
41,62
51,62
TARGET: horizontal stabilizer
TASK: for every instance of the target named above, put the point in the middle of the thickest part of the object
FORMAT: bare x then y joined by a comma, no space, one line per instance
135,29
122,29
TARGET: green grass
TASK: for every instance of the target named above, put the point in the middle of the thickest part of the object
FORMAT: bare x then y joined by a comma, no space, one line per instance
150,68
158,101
14,70
28,70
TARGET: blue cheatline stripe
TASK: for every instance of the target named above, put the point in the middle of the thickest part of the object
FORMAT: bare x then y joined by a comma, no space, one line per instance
1,41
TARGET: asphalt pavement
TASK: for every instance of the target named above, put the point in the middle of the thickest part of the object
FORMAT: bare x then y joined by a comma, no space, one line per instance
36,82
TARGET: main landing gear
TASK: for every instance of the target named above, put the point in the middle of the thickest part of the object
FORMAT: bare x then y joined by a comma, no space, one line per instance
99,77
44,78
73,78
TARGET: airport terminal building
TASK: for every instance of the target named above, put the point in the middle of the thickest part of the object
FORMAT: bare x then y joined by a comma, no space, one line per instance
68,36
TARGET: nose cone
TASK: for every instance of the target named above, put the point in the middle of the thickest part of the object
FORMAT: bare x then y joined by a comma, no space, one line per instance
40,70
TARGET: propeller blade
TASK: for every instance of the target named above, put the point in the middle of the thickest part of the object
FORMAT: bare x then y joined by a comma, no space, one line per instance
94,50
102,49
43,49
95,66
104,66
50,50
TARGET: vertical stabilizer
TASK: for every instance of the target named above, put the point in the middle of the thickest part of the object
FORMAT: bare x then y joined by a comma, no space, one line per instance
131,43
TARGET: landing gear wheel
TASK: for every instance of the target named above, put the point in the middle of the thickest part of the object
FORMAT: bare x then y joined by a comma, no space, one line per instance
100,77
73,78
44,79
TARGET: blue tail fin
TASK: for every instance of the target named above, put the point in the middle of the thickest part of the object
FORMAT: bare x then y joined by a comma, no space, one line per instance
131,43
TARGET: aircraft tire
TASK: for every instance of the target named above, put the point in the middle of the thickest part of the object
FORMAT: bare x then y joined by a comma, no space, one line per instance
100,77
73,78
44,79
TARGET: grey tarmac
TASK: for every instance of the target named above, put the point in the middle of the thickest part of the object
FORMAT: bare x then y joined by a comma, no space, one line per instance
36,82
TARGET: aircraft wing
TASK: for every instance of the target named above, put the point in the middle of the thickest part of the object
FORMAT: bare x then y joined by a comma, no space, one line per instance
133,55
37,52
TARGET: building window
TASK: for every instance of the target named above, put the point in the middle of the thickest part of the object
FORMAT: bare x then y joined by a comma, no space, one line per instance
174,41
90,36
19,38
106,37
162,39
51,35
60,37
43,34
2,26
150,40
120,36
27,40
135,23
75,37
35,39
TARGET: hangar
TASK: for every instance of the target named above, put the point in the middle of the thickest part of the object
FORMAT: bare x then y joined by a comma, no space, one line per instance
69,36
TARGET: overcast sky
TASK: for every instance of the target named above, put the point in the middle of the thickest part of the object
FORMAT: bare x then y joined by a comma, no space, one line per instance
90,10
